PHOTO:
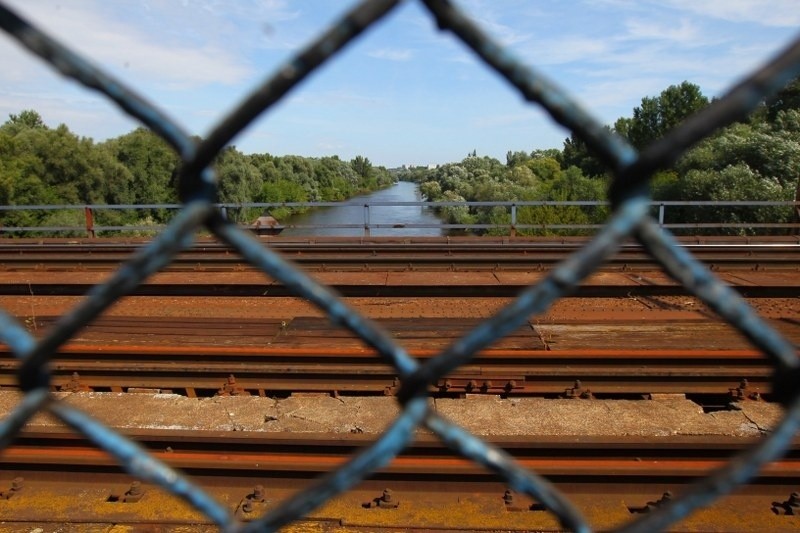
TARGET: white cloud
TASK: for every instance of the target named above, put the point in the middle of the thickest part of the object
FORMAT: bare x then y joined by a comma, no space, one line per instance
559,50
195,58
93,116
685,32
778,13
331,145
133,53
392,54
326,99
510,119
488,17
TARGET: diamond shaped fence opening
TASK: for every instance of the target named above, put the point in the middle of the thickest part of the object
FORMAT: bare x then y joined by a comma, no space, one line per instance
197,185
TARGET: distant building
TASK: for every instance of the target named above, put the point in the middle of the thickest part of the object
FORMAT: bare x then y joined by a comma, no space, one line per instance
431,166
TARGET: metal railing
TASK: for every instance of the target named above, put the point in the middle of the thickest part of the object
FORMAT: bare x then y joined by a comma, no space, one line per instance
630,217
364,219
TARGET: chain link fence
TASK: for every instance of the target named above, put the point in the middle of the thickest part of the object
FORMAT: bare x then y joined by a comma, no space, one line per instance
631,217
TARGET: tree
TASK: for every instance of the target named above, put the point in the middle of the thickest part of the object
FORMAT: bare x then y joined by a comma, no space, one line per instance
151,162
40,165
431,190
516,158
362,166
239,182
576,154
26,119
786,99
545,168
657,115
755,160
770,152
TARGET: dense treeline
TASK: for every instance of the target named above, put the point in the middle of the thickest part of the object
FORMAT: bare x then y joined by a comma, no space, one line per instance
757,159
45,166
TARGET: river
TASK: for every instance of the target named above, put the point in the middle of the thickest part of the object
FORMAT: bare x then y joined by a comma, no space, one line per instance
402,191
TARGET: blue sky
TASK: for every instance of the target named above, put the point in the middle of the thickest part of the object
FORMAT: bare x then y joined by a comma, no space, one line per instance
403,93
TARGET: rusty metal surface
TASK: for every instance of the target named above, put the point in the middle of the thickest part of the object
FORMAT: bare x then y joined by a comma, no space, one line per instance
435,254
609,479
199,283
671,353
431,506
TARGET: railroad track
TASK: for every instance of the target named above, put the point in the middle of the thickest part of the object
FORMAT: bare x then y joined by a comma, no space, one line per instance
376,254
206,357
429,268
617,357
61,478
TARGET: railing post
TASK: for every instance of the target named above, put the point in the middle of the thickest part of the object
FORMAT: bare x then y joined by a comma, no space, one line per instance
87,211
513,231
366,220
661,215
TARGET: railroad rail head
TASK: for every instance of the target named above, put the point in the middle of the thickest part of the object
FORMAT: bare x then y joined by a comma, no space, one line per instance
197,186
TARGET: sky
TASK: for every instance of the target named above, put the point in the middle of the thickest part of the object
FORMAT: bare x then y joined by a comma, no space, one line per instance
404,93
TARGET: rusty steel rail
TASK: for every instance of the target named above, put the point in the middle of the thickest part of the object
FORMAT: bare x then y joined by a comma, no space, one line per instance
673,353
259,452
587,373
321,254
211,289
426,486
200,282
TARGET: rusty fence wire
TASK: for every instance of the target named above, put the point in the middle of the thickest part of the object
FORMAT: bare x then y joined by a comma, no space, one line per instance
631,217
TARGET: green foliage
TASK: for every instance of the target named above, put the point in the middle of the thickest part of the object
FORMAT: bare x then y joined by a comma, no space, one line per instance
537,176
657,115
786,99
456,214
328,179
516,158
431,190
753,160
731,183
150,161
757,160
72,218
41,165
545,168
239,182
577,154
27,119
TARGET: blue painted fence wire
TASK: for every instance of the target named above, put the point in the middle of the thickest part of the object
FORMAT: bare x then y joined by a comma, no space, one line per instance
197,187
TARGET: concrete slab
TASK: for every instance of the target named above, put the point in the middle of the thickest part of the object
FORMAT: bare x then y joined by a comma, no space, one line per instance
482,415
760,414
489,416
301,414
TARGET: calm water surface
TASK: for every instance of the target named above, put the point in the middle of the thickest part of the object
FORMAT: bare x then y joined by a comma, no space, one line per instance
403,191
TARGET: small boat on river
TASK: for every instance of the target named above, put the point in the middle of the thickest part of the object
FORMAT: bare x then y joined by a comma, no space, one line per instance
266,224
